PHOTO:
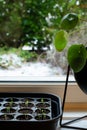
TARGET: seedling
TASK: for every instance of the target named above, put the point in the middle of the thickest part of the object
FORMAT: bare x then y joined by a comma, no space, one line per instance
26,103
41,116
42,100
44,116
26,117
8,109
11,102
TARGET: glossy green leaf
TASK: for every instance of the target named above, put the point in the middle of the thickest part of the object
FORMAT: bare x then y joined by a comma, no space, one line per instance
77,57
69,21
60,40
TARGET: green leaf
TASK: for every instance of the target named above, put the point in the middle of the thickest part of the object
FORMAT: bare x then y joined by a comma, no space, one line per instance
69,21
77,57
60,40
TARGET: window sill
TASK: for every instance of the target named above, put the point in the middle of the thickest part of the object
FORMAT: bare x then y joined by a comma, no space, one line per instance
35,80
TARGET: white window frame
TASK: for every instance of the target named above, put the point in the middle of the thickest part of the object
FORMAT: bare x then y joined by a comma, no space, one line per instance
35,80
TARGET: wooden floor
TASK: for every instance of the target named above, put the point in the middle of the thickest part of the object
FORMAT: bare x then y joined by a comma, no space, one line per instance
69,116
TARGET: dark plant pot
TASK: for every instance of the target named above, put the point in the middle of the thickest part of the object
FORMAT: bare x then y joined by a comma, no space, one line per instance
32,111
81,79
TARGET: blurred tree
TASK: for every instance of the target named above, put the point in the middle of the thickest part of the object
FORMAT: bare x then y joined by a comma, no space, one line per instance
27,21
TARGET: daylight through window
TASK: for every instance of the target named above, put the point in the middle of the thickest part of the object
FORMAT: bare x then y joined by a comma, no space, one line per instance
26,36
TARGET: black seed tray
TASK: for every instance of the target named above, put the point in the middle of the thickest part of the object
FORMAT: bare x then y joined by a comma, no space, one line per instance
29,111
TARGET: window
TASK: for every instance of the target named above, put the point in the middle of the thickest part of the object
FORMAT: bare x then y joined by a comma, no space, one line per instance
26,49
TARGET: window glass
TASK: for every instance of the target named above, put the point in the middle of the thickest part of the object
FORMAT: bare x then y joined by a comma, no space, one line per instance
26,36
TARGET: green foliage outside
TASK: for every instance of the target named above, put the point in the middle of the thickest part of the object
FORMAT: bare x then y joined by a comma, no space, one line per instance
26,22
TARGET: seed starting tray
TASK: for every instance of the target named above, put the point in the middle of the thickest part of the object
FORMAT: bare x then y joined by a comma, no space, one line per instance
29,111
26,108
